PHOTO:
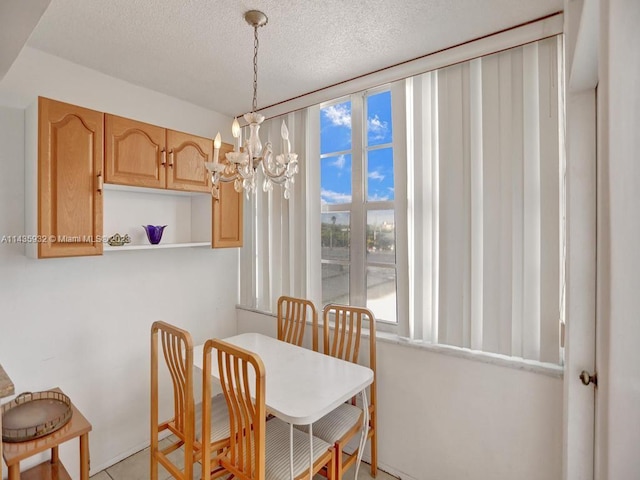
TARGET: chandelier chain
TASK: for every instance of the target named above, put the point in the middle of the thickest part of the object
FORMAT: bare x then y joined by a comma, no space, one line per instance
255,69
242,164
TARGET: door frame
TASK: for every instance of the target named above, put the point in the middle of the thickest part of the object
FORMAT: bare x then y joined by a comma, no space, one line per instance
581,74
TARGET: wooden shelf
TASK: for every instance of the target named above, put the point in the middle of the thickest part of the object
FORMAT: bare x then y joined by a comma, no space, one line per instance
46,470
109,248
187,216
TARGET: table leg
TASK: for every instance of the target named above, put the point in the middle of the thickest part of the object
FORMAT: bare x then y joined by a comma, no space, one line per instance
84,457
54,455
365,431
310,451
14,471
291,448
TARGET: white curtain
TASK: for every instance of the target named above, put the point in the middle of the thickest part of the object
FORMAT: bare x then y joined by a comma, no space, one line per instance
484,203
273,259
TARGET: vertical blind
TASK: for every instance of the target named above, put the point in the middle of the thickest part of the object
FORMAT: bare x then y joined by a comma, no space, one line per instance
273,258
486,205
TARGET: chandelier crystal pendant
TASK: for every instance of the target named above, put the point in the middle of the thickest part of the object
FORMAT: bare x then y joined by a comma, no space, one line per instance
242,164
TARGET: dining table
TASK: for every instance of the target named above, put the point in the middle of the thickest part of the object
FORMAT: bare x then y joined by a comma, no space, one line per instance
301,385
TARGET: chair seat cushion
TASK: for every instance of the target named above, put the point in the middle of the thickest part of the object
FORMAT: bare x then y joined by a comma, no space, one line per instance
335,424
277,464
219,419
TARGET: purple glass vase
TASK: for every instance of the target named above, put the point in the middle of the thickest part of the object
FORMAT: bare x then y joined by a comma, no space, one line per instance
154,233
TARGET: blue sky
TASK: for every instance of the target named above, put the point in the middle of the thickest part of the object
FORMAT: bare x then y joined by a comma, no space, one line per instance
335,138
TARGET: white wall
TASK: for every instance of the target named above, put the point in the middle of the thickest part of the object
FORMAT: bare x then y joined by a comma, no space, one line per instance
83,324
618,398
447,418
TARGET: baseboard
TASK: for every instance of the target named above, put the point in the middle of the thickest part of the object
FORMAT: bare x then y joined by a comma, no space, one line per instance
387,468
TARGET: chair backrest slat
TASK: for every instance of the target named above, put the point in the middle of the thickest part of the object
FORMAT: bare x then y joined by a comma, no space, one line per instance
344,341
347,331
177,350
292,320
173,345
243,385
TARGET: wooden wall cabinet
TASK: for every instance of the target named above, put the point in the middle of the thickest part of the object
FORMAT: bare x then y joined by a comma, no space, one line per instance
143,155
152,175
227,213
135,153
186,156
70,154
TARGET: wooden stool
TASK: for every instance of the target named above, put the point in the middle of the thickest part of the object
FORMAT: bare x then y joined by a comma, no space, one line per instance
14,453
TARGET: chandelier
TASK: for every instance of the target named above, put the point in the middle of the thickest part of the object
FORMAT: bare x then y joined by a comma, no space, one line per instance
242,164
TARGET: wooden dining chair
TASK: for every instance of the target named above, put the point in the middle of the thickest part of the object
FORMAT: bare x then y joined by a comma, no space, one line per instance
342,424
177,350
292,320
260,448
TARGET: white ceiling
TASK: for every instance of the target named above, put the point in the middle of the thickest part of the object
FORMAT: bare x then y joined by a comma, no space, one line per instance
201,50
17,20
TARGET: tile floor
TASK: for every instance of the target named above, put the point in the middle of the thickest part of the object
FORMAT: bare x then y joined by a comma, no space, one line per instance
136,467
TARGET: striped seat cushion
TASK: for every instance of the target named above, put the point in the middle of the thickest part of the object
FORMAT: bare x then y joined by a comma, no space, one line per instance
277,450
335,424
219,419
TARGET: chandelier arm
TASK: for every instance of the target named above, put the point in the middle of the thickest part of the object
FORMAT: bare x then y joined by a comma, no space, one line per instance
230,179
274,174
278,180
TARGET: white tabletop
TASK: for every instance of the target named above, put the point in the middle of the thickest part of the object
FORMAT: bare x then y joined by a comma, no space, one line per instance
301,385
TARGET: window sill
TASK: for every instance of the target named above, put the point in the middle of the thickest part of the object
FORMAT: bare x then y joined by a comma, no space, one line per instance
517,363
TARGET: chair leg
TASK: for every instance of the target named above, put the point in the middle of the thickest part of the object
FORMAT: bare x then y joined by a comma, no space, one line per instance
338,460
154,461
374,453
331,472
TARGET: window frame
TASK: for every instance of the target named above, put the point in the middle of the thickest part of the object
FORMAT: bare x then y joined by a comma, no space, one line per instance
359,206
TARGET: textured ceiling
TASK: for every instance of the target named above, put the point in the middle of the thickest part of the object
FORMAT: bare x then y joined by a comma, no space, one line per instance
201,50
17,20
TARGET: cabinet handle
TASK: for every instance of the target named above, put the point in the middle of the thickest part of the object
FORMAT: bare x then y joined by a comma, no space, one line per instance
171,158
100,183
164,157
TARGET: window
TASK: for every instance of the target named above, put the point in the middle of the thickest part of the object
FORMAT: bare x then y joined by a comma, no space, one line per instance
437,202
468,220
358,203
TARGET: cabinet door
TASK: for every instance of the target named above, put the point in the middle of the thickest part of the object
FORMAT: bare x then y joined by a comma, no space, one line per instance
185,165
135,153
70,158
227,212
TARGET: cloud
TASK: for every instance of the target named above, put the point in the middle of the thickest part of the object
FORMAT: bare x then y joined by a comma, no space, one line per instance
376,197
377,127
339,162
338,115
328,196
376,175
